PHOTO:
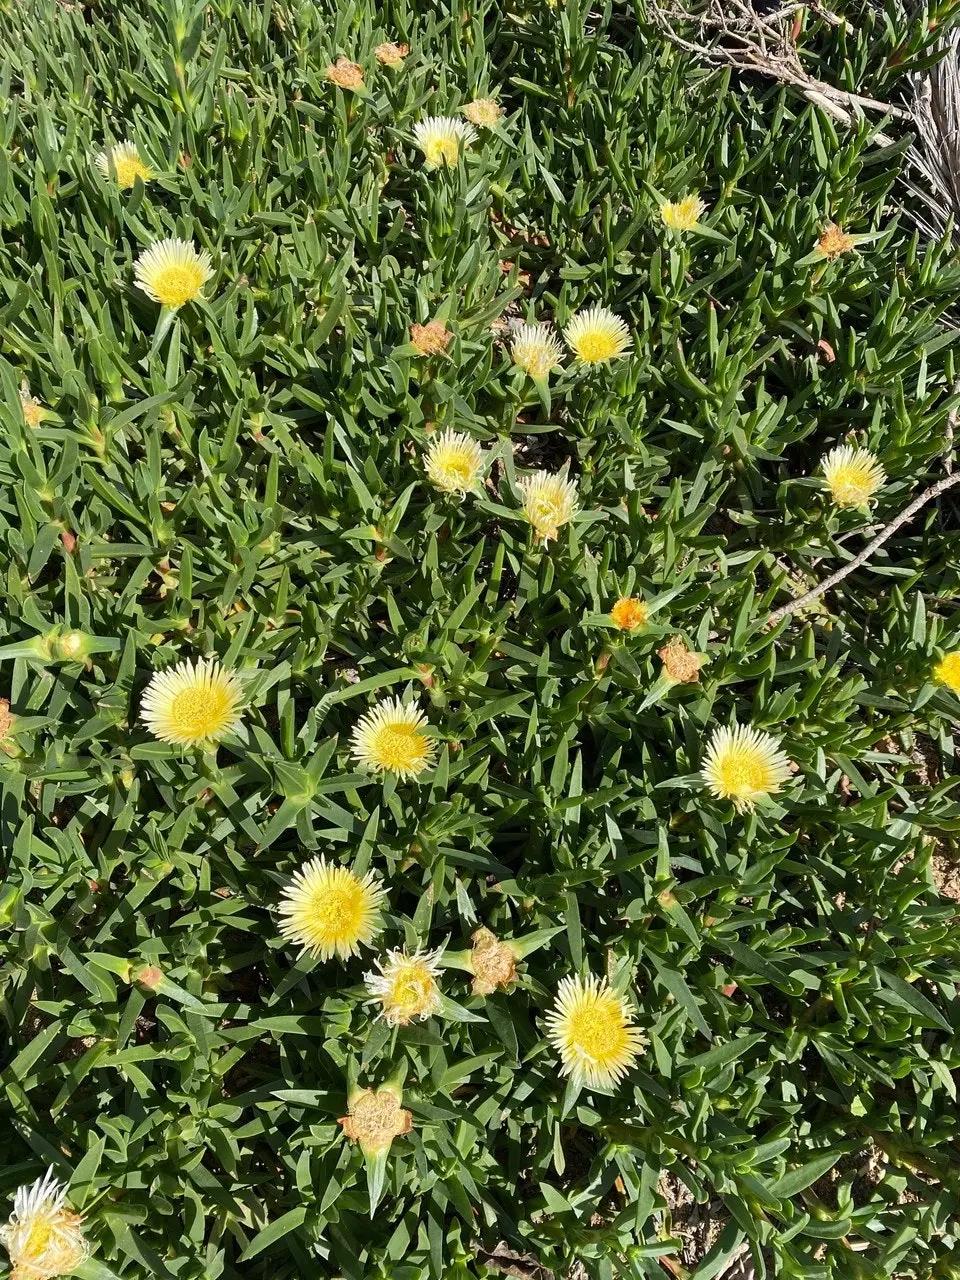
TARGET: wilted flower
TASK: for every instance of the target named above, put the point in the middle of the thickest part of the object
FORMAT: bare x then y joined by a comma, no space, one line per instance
406,986
493,963
548,502
590,1026
485,112
834,241
43,1238
681,664
31,408
374,1118
330,910
853,476
390,739
597,335
629,613
683,215
744,765
123,162
192,703
535,348
441,138
430,339
172,272
391,55
454,462
947,671
345,74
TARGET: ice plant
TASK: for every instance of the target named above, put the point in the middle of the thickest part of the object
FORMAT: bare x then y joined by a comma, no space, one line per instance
596,335
331,911
493,963
43,1238
430,339
345,74
947,671
406,986
853,476
535,349
390,739
124,164
192,704
682,215
834,241
629,613
454,462
680,664
590,1027
441,139
485,112
31,408
391,55
172,272
548,502
744,765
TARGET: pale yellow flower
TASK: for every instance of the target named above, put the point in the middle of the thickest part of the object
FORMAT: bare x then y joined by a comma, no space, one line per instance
683,215
374,1118
744,765
406,986
42,1236
597,335
454,462
535,349
853,476
124,164
345,74
629,613
192,703
549,501
391,55
391,739
330,911
834,241
947,671
441,139
485,112
590,1027
172,272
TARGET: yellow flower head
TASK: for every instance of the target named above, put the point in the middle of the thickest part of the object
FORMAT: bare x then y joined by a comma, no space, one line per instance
345,74
548,502
192,704
43,1238
374,1118
406,986
430,339
391,55
744,765
390,739
123,163
834,241
681,664
454,462
31,408
172,272
590,1027
535,349
485,112
330,910
629,613
440,138
853,476
947,671
682,215
492,963
597,335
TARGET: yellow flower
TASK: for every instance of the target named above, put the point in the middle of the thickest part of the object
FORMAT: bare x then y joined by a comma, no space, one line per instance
682,215
42,1237
548,502
330,910
124,164
346,74
172,272
597,335
192,703
744,765
834,241
31,408
535,348
440,139
589,1026
853,476
406,986
484,112
947,671
430,339
391,55
454,462
390,739
492,963
681,664
374,1118
629,613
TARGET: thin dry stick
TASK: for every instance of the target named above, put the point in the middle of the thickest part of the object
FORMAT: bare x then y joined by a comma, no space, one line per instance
886,532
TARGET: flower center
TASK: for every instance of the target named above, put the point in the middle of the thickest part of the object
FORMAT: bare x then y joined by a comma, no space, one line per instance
539,364
198,713
38,1240
176,285
338,912
851,486
412,991
597,1032
399,747
442,151
594,347
744,776
128,170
